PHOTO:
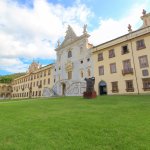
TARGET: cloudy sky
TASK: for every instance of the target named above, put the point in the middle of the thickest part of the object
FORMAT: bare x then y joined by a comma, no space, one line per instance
30,29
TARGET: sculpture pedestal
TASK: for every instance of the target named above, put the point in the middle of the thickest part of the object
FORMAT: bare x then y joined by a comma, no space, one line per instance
89,95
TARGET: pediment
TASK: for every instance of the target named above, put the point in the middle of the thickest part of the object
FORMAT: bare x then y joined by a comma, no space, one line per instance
70,36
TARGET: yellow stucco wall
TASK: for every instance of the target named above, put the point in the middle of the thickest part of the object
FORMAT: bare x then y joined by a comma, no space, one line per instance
116,44
20,86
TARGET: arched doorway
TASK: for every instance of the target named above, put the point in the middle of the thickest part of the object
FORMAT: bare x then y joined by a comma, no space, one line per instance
63,88
102,88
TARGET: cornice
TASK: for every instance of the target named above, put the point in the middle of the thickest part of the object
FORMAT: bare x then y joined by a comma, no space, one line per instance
121,39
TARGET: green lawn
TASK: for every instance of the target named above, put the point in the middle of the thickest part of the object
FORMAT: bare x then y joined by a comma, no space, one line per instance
74,123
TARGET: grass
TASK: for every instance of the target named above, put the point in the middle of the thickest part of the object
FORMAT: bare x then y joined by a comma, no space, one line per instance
74,123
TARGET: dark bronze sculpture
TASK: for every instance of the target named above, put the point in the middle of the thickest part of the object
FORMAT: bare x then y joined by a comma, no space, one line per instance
90,92
90,84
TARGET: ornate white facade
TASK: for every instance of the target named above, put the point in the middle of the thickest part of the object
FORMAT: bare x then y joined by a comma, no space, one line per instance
73,64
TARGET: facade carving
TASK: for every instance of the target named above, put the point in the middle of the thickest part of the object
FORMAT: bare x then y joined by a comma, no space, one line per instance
34,67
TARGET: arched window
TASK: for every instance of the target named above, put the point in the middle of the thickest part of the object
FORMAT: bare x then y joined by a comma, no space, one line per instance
81,74
69,54
89,73
69,75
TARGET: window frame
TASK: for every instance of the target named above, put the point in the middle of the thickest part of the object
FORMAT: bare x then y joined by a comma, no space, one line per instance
101,72
140,46
123,50
69,54
140,61
114,86
128,84
111,70
111,53
100,57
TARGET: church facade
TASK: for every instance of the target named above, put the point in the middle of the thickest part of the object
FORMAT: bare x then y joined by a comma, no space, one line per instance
73,64
120,66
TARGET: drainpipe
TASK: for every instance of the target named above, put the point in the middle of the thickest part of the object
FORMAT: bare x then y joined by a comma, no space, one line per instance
134,65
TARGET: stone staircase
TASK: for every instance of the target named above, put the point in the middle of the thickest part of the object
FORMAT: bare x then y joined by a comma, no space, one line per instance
73,88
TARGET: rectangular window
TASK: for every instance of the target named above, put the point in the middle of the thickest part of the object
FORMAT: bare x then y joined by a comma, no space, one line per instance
146,84
39,93
44,73
114,87
127,67
100,56
49,72
101,70
48,80
143,61
125,49
44,81
111,53
35,76
140,44
69,75
113,68
145,72
126,64
41,74
129,86
40,85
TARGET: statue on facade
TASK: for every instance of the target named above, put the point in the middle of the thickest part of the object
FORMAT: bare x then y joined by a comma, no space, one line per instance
85,29
90,92
129,28
144,12
58,43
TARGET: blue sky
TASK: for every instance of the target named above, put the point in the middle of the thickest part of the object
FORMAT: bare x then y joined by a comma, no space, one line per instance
29,29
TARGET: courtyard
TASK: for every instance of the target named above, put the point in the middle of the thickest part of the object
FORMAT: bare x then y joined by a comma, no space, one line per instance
74,123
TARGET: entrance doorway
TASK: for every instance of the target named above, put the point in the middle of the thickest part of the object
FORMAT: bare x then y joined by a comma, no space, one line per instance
102,88
63,88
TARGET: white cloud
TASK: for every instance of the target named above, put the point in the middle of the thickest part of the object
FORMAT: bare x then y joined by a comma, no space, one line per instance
33,32
109,28
12,65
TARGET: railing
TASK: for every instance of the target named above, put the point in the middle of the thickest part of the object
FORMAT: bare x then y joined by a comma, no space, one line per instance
130,90
115,90
146,88
127,71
